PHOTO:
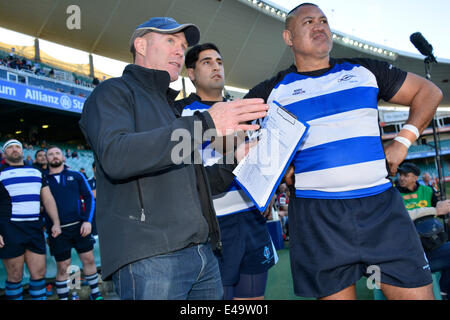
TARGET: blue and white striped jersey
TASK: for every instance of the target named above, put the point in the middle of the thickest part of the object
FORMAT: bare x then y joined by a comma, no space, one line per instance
234,200
342,155
20,190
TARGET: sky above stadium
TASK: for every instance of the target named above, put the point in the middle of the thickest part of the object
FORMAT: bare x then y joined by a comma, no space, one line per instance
385,22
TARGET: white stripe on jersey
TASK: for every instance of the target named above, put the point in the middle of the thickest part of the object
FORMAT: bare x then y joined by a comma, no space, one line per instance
231,202
344,178
25,207
341,126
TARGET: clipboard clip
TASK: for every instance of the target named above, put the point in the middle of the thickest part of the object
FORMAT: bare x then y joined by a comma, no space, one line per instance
285,114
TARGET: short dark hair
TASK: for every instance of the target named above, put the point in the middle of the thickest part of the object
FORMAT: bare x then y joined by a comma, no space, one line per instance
291,14
53,147
194,52
40,150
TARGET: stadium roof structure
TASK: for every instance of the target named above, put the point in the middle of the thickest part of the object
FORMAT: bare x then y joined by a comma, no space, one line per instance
248,33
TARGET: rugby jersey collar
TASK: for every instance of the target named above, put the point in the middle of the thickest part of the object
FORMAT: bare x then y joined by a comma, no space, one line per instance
7,165
315,73
195,97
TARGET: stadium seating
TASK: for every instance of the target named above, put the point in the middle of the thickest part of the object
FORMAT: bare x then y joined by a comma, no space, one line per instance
84,160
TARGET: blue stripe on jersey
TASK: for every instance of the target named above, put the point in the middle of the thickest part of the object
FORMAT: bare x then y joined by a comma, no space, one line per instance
197,106
360,193
26,198
330,155
333,103
11,181
25,216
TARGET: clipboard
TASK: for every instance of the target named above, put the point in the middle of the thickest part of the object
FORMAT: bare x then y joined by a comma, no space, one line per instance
247,173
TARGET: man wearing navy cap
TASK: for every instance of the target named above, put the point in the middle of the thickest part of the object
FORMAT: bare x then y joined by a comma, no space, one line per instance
420,200
422,203
155,219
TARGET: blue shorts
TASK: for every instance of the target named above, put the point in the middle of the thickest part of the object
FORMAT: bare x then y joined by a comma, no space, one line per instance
21,236
247,246
70,237
333,242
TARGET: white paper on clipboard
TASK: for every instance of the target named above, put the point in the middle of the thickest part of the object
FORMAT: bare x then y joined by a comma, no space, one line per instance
260,172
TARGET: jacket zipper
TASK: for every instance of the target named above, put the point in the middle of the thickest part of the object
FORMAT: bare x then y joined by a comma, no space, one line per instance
141,201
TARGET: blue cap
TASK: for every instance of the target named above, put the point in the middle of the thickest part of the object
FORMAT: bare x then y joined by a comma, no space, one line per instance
168,26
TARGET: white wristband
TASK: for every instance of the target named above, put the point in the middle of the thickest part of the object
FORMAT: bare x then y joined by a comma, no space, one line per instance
403,141
413,129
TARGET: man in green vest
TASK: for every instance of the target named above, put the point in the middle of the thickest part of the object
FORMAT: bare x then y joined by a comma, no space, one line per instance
419,200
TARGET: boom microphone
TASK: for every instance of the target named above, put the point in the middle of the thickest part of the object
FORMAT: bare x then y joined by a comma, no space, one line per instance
422,45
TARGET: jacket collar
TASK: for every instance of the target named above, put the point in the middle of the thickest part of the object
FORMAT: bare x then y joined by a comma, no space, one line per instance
151,79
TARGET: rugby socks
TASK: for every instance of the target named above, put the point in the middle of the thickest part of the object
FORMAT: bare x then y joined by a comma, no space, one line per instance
13,290
37,289
93,283
62,289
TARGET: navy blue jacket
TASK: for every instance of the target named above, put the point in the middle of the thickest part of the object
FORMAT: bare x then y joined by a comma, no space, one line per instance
68,193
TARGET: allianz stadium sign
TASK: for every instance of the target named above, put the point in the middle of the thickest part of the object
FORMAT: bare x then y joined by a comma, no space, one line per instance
41,97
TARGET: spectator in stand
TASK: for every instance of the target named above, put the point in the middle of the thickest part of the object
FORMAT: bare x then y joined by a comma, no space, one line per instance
40,160
282,203
429,181
422,203
83,171
22,189
74,154
28,161
12,63
68,187
68,154
95,82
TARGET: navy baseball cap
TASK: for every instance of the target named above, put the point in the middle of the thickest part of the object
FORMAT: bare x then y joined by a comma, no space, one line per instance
167,25
408,167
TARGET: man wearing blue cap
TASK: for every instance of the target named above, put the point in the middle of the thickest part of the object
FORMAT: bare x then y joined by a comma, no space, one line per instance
155,219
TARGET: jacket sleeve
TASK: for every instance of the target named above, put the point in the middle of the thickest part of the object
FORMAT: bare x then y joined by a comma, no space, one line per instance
88,197
108,123
220,177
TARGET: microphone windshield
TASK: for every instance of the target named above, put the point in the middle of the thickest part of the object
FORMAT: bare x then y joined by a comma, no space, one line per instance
422,44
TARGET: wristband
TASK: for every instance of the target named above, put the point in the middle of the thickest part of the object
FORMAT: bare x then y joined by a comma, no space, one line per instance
413,129
403,141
